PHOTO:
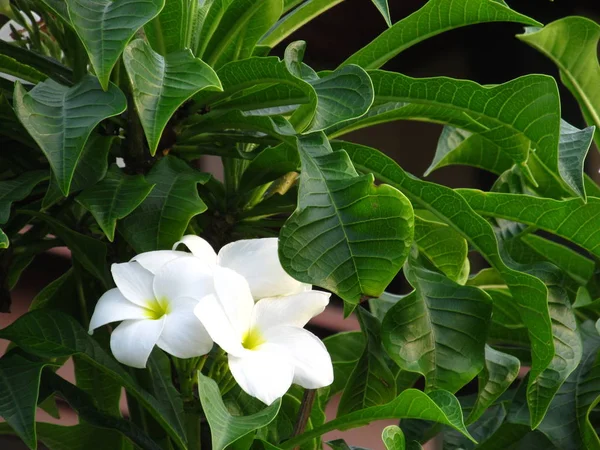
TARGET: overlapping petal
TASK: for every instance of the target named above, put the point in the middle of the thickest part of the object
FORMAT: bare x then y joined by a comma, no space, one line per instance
186,276
153,261
134,282
199,248
133,340
215,320
258,262
294,310
114,307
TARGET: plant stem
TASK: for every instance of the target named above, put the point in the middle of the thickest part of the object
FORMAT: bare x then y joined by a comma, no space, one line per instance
308,399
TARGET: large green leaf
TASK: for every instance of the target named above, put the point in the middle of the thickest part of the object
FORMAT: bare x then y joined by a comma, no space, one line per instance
106,26
78,437
11,66
19,389
437,16
60,119
500,371
371,383
51,334
529,292
296,19
438,406
17,189
170,31
443,246
516,115
439,330
347,235
115,197
572,44
43,64
571,219
232,29
225,429
90,169
345,349
161,219
162,84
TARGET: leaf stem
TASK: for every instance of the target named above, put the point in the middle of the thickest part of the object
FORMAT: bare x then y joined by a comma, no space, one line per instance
308,399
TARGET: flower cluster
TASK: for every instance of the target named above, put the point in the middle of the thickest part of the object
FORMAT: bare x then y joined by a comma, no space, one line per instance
241,299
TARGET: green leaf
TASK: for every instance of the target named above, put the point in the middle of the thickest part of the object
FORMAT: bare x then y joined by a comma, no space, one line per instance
500,371
96,383
225,428
78,437
570,219
18,189
529,292
443,246
90,169
572,150
345,350
235,28
481,430
371,383
4,243
19,388
43,64
53,116
20,70
343,95
516,115
162,84
439,330
270,164
437,16
347,235
393,438
572,44
296,19
89,252
169,32
438,406
161,219
51,334
106,26
115,197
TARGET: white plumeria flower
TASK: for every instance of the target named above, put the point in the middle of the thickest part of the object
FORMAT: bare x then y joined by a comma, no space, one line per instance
155,304
267,347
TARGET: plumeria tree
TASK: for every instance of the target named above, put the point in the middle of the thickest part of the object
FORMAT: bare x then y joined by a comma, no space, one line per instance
192,294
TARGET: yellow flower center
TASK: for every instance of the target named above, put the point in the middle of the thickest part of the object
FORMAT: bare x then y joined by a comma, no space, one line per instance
252,339
155,309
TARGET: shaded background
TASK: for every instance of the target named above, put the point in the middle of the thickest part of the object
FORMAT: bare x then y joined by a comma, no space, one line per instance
488,54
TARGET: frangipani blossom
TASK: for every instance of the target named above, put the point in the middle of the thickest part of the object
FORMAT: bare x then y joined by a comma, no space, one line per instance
155,303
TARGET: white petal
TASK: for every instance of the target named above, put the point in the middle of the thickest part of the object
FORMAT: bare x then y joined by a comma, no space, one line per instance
312,363
133,340
186,276
134,282
183,335
294,310
113,307
265,374
234,295
153,261
211,314
258,262
199,248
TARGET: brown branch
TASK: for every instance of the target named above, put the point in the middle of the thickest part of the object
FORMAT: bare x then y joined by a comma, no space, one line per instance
308,399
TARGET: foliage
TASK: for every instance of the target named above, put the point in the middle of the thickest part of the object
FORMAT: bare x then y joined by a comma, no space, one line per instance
108,106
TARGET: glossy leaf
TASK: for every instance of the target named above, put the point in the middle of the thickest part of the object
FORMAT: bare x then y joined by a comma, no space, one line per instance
572,44
51,334
53,116
438,406
162,84
529,292
13,67
500,371
95,20
384,9
345,349
347,235
161,219
295,19
443,246
19,387
393,438
18,189
169,31
225,429
115,197
43,64
437,16
439,330
570,219
270,164
371,382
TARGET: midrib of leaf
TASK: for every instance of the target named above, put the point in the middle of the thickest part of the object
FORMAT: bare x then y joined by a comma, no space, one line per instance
234,30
